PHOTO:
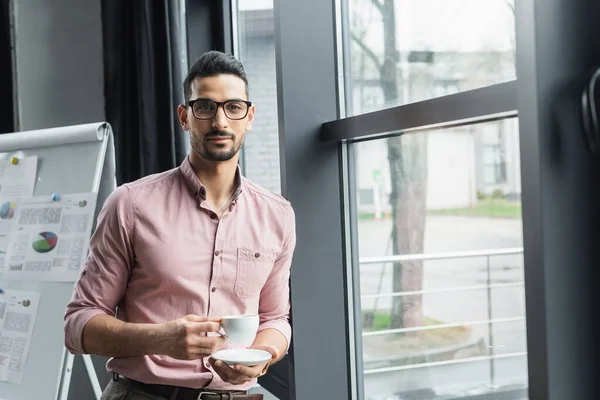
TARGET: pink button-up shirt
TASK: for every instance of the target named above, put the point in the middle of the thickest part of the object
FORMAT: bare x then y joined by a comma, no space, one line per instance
160,253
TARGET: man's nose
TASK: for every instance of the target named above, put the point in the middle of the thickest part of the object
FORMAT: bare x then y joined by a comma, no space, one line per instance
220,120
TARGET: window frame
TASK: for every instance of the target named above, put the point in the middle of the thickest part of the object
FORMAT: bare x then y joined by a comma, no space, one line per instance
308,97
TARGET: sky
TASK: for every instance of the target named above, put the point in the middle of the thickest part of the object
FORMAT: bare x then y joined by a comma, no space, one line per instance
254,4
443,25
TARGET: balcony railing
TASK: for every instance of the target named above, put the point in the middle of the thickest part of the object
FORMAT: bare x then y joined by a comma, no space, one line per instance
487,254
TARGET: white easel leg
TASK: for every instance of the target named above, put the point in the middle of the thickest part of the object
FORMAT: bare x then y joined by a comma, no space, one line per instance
66,378
91,371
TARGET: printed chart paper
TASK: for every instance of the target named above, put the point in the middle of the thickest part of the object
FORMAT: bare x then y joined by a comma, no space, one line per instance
18,311
50,239
7,213
18,180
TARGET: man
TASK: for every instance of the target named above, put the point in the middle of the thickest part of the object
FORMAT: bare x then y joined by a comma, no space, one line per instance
175,251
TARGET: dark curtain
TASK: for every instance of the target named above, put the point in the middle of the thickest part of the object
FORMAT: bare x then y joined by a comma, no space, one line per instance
6,89
143,76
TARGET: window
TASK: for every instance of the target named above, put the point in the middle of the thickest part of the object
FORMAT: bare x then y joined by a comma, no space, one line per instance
441,266
494,171
402,51
256,50
439,252
493,157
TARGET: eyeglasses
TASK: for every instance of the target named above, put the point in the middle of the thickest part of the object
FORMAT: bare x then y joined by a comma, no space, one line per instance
207,109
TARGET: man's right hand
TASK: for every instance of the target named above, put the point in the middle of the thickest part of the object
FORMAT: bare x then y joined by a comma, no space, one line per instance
185,338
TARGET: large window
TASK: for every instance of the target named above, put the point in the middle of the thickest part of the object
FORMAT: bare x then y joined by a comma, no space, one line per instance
402,51
441,265
439,236
255,47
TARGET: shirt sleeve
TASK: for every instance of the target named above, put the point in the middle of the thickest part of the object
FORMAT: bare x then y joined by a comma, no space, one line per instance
274,306
103,279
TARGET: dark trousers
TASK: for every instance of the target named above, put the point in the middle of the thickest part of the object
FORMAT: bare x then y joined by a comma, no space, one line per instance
126,389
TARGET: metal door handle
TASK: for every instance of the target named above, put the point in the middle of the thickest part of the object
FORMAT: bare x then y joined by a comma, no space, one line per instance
591,120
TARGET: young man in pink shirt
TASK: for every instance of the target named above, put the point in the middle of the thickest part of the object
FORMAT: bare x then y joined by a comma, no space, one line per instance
175,251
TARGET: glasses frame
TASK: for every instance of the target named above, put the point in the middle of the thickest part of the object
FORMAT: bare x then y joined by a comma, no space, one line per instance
218,104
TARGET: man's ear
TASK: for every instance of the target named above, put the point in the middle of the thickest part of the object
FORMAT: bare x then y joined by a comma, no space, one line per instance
183,117
250,118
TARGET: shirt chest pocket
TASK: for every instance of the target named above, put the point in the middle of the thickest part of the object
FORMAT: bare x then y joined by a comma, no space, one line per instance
253,269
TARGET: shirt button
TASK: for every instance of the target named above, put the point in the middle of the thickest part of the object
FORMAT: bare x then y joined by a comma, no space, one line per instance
213,215
256,255
217,253
213,289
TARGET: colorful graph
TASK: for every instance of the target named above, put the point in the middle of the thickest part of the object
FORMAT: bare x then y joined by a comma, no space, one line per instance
45,242
7,210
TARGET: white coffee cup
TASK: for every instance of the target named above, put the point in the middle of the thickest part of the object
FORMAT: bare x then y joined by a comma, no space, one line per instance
240,329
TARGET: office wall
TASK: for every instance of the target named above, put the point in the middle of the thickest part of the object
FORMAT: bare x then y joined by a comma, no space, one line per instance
59,81
58,55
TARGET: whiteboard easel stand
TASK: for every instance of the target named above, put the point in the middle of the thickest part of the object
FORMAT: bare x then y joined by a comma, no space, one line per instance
65,165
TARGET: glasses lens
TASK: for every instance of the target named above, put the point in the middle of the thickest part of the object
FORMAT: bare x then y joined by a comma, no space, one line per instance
236,109
204,109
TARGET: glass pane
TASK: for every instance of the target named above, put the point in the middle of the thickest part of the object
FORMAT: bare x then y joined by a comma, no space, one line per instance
405,51
446,319
256,50
492,155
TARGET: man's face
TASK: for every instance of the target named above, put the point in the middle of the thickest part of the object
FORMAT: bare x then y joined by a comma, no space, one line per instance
218,138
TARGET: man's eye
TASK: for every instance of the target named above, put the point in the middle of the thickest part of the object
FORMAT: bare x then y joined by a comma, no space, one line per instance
235,106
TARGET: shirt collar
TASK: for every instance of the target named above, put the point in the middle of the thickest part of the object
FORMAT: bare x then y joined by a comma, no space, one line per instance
197,188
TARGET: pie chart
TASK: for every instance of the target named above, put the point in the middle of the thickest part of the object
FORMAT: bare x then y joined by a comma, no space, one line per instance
44,242
7,210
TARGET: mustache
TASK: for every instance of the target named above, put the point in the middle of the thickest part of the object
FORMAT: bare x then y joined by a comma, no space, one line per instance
219,133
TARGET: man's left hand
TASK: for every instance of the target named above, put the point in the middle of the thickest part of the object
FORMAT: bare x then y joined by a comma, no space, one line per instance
240,374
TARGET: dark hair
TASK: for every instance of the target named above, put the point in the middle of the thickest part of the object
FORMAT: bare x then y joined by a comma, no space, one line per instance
213,63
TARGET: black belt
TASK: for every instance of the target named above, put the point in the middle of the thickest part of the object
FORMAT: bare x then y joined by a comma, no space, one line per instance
183,393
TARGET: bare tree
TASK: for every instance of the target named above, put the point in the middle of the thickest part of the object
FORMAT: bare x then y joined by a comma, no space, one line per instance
407,157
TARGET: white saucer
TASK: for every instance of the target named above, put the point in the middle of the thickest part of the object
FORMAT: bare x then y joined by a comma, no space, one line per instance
248,357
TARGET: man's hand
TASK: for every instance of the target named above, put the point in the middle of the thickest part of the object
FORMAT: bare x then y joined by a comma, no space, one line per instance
240,374
185,338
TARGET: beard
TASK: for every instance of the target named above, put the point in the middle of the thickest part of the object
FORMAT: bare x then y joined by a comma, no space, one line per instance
202,146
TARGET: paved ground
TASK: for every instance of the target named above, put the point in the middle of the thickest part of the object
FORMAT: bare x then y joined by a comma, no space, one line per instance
460,379
452,234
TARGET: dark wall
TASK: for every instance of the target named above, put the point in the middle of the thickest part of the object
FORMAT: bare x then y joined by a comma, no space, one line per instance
6,90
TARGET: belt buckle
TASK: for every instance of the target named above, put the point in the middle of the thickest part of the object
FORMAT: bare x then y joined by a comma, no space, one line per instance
205,393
